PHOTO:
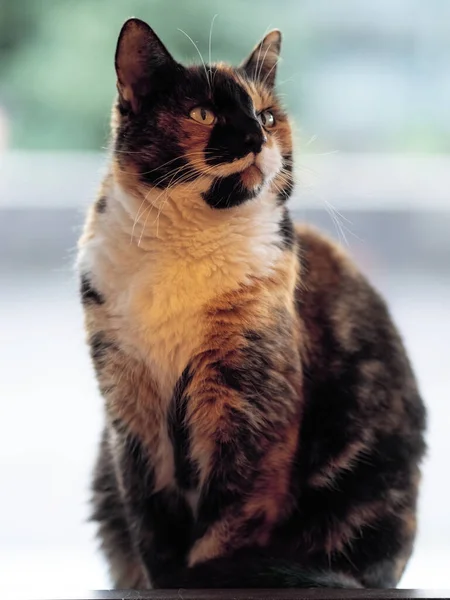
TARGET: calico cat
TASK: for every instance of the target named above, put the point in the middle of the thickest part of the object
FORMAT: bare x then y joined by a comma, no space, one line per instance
263,427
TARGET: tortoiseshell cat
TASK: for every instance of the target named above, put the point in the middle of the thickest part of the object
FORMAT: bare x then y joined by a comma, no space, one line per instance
263,425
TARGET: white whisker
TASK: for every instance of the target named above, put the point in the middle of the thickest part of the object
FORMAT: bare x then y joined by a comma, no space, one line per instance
337,223
201,57
210,40
262,62
272,68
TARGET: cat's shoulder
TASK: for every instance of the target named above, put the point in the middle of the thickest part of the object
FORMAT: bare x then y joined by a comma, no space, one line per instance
333,292
323,261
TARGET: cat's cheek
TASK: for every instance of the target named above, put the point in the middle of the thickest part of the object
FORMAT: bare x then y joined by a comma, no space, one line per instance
269,161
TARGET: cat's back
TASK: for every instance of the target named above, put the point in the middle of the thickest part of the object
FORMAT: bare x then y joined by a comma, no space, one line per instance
340,310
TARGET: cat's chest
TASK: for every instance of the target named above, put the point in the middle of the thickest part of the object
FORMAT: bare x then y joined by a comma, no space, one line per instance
161,316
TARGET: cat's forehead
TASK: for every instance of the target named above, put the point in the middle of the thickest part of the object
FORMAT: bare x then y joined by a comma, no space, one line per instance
226,86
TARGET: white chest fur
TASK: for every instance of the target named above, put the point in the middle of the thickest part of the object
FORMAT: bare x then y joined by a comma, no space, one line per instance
157,274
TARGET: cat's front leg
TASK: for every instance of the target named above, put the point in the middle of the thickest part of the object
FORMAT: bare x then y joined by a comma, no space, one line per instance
159,520
243,407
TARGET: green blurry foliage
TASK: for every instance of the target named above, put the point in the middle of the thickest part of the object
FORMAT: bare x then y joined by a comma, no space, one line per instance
57,77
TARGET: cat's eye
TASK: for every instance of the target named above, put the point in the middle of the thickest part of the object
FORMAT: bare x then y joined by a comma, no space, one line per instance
267,119
203,115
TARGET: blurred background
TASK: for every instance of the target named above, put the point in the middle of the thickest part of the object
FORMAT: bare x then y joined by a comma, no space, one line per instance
368,85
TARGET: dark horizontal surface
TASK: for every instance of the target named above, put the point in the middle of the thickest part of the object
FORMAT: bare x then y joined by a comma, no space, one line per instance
311,594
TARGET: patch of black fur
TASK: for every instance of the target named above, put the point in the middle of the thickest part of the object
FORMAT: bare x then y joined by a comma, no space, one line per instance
250,526
375,544
100,205
237,131
370,480
186,472
100,346
226,192
288,187
229,376
89,295
108,509
119,426
331,417
287,231
161,522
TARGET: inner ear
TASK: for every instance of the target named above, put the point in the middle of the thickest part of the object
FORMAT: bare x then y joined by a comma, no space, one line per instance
261,65
140,58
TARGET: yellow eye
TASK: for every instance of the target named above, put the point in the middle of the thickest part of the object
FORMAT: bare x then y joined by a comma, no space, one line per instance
267,119
203,115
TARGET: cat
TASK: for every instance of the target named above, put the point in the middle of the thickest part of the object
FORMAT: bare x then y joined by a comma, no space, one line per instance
263,426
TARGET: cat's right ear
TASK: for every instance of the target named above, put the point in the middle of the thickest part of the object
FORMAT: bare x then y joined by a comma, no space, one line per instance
139,54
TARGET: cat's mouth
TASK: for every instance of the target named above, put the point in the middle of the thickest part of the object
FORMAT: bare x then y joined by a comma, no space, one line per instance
252,176
254,170
253,166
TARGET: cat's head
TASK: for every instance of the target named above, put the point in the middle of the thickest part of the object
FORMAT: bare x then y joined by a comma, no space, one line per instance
218,127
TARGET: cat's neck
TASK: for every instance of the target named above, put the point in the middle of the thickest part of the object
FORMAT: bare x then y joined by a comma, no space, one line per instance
180,226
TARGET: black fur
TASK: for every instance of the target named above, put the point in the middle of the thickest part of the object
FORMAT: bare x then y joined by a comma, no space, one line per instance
101,204
160,521
288,187
185,470
227,192
237,131
100,346
89,295
287,231
254,568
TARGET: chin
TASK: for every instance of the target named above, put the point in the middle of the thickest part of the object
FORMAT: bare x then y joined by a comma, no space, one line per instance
246,183
270,162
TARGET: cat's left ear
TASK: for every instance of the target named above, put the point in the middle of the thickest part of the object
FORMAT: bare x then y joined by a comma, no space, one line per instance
140,58
262,62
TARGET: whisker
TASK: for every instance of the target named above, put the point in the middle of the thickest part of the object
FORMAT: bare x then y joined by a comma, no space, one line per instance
210,39
272,68
137,218
338,214
201,153
262,62
255,70
338,224
201,57
152,205
311,140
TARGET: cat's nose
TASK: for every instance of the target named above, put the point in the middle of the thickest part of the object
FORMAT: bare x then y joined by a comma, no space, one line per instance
255,140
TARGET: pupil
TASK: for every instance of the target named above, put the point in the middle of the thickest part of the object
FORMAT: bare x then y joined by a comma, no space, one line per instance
203,114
